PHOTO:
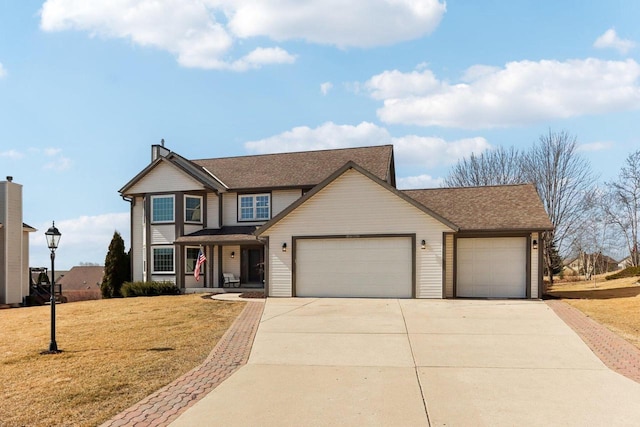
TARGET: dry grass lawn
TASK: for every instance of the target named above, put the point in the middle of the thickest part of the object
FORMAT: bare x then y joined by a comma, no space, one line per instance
613,303
115,353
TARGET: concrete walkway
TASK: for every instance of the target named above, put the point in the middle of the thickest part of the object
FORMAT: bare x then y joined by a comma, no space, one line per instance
415,363
407,362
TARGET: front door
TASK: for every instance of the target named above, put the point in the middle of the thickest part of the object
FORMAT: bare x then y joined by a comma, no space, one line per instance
252,264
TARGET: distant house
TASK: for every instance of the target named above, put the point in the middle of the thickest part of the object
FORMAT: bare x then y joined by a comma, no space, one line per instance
82,283
14,245
330,223
587,264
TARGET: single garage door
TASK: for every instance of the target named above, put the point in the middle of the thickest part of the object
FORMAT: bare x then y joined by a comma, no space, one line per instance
378,267
491,267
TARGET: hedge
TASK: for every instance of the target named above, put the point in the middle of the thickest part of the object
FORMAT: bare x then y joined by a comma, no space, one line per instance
627,272
147,289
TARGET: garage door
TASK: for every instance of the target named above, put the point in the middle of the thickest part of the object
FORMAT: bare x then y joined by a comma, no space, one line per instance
491,267
354,267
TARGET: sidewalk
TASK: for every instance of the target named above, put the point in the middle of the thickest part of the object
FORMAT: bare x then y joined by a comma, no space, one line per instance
618,354
231,352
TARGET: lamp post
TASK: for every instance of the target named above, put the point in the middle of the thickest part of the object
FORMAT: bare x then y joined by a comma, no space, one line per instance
53,237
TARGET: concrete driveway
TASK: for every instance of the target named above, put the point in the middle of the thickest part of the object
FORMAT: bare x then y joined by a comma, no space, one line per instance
386,362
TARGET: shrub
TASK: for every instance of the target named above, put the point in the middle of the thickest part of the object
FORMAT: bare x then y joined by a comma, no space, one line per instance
146,289
627,272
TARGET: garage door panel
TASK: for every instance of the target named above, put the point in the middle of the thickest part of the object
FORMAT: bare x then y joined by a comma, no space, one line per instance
354,267
491,267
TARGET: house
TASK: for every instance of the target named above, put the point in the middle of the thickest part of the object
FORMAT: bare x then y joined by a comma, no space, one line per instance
331,223
593,263
82,283
14,245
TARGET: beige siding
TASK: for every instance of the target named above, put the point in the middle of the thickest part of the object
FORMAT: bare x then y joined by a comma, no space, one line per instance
12,264
354,204
281,199
191,228
163,234
534,266
165,178
229,209
448,281
213,211
137,236
231,265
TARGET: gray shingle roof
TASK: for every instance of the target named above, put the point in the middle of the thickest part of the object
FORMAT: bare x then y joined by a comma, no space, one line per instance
506,207
300,169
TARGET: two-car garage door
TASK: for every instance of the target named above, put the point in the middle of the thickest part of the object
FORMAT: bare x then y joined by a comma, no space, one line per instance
354,267
491,267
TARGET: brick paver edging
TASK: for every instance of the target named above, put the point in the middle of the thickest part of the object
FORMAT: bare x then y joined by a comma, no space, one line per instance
616,353
168,403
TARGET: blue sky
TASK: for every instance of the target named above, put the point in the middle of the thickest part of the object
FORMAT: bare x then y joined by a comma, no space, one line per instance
87,87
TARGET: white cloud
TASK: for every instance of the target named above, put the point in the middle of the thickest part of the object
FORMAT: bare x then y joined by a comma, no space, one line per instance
520,93
3,71
326,136
409,150
610,40
595,146
51,151
326,87
203,33
59,164
263,56
12,154
420,181
356,23
84,239
433,152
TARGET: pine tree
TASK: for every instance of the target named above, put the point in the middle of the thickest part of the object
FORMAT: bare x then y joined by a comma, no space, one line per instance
116,268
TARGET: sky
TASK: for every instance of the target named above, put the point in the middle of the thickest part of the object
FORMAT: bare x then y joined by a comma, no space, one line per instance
86,87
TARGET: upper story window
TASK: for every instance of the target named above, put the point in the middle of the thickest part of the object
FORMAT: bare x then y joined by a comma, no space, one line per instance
254,207
193,209
162,209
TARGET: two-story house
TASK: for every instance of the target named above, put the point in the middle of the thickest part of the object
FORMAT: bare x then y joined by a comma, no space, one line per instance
14,245
330,223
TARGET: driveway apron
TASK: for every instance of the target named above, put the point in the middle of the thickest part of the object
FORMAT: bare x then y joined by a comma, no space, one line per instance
387,362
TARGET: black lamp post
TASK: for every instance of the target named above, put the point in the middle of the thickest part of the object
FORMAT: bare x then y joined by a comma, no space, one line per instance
53,237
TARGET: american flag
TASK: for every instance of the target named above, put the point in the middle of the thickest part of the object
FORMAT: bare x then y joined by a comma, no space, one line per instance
199,262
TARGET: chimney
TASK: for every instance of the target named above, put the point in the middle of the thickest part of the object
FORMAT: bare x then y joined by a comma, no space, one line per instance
9,178
158,151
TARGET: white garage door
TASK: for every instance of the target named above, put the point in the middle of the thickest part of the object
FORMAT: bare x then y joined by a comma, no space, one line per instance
354,267
491,267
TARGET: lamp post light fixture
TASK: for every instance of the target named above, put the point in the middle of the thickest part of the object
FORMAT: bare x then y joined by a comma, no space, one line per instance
53,237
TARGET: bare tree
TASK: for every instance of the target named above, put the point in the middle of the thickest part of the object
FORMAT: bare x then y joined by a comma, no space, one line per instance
564,181
494,167
623,204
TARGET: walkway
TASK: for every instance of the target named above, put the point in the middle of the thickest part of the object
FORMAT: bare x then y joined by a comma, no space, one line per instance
618,354
231,352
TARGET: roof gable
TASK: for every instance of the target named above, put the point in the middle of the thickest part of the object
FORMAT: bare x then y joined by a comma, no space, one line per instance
333,177
488,208
169,174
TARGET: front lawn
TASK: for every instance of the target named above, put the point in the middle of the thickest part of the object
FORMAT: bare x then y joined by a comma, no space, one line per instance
613,303
115,353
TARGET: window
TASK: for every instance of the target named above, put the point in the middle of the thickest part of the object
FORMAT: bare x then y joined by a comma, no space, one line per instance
192,258
162,209
163,260
254,207
193,209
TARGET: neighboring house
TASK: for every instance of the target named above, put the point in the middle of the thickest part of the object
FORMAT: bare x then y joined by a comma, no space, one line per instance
594,263
14,245
82,283
331,223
